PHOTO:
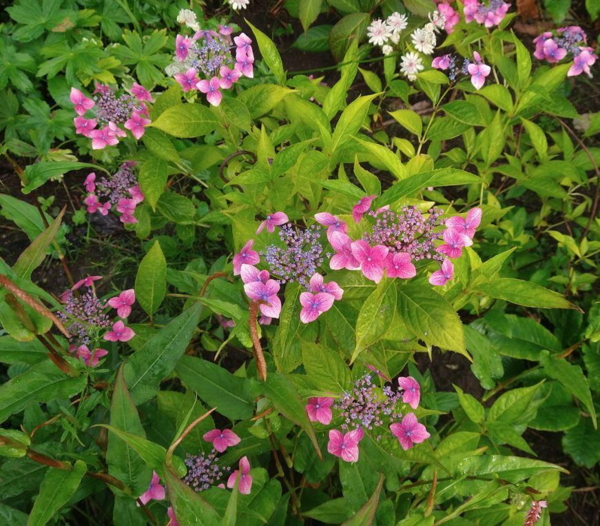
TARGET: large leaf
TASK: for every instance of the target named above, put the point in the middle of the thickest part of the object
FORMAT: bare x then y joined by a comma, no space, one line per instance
158,357
512,469
351,121
582,442
366,514
269,54
524,293
151,279
27,217
349,29
326,368
513,407
263,98
186,121
37,174
13,351
153,179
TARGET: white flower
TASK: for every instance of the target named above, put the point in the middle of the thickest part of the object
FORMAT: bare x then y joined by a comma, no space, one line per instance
386,50
187,17
378,33
424,41
395,38
396,22
438,20
239,4
410,65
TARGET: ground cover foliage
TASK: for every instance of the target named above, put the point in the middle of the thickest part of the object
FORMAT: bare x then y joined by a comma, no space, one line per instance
235,294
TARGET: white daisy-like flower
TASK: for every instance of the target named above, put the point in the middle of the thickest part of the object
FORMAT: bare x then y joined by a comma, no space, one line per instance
424,41
397,22
438,20
386,50
378,32
410,65
187,17
239,4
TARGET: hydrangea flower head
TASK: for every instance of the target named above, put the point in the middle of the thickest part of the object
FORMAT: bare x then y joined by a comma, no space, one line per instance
467,225
319,410
245,482
272,220
371,259
412,391
80,101
409,432
478,71
313,305
453,244
123,303
266,293
154,492
119,333
345,446
246,256
343,257
440,277
399,266
222,439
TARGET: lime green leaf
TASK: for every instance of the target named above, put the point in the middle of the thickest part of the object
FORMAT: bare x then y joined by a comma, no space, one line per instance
349,29
153,179
160,146
513,407
410,120
269,53
309,11
325,368
524,293
510,468
471,406
37,174
350,121
186,121
151,280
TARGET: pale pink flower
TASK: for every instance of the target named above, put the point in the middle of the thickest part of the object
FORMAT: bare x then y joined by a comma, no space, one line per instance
334,224
345,446
188,80
454,242
362,207
225,30
246,256
140,93
317,285
371,259
470,9
399,266
440,277
412,391
86,282
80,101
123,302
103,137
478,71
314,305
182,47
212,89
273,220
244,46
221,440
442,62
119,333
137,124
343,257
136,194
409,432
90,358
245,482
84,126
319,410
582,62
264,320
553,52
468,225
250,273
154,492
172,518
450,15
245,66
229,77
266,293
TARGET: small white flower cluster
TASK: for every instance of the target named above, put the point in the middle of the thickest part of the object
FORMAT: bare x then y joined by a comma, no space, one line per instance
188,18
236,5
380,31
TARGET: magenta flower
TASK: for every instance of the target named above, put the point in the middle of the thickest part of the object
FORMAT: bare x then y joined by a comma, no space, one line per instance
80,101
363,206
229,77
86,282
273,220
553,52
314,305
451,16
582,62
470,9
319,410
399,266
334,224
84,126
267,293
453,243
154,492
225,30
119,333
90,358
246,256
250,274
468,225
102,138
221,440
478,71
137,124
442,276
212,89
243,46
140,93
89,182
182,47
442,62
409,432
136,194
412,391
345,446
343,257
371,259
316,285
93,205
188,80
172,518
539,42
245,66
265,320
123,303
245,484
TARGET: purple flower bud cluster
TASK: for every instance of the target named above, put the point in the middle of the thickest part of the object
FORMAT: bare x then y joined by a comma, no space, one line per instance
117,185
210,53
203,471
301,257
408,231
111,107
366,405
84,315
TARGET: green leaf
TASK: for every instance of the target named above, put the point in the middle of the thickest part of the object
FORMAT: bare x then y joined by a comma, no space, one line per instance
465,112
186,121
217,387
510,468
503,434
160,146
126,512
176,208
557,413
56,490
308,12
350,28
367,513
12,516
487,364
350,121
261,99
499,95
330,512
37,174
523,64
151,280
410,120
230,517
572,378
430,317
538,138
582,442
372,80
159,355
27,217
444,128
471,406
315,40
325,368
524,293
13,351
122,462
269,53
384,155
153,179
43,382
513,407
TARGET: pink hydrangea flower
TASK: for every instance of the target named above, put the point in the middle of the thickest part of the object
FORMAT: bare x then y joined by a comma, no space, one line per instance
539,42
182,47
246,256
103,137
245,483
225,30
80,101
119,333
399,266
188,80
371,259
212,88
136,124
140,93
154,492
89,183
363,206
273,220
440,277
243,46
454,242
90,358
478,71
267,293
450,15
333,223
314,305
86,282
317,285
229,77
93,205
319,410
553,52
136,194
412,391
467,225
84,126
409,432
345,446
582,62
250,274
123,303
172,518
245,66
221,440
442,62
343,257
264,320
